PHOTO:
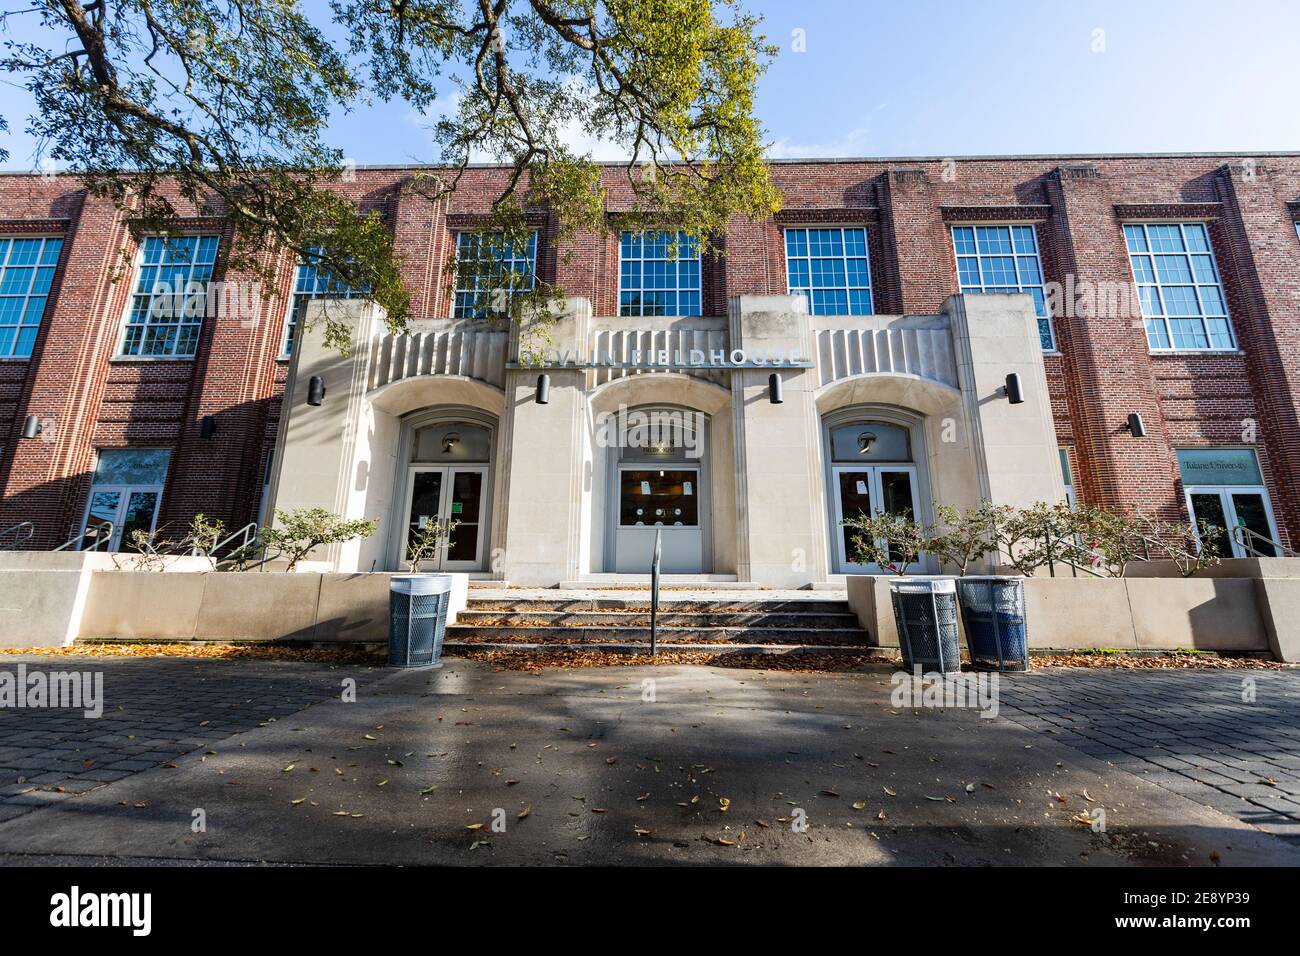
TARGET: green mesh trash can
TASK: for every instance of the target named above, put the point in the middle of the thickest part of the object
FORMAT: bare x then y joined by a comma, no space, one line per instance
925,611
417,619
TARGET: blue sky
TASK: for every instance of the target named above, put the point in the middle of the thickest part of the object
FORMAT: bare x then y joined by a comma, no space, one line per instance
952,78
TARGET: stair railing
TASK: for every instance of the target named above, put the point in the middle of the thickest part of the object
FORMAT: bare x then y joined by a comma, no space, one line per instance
102,533
22,532
1247,538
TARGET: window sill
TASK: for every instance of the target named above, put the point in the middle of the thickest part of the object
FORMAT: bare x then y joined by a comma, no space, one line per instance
131,359
1177,353
15,358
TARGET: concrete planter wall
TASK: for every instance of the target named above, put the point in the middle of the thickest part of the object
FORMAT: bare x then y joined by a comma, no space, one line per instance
225,606
1259,613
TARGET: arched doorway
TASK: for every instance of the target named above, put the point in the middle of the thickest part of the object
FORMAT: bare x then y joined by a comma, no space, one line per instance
449,457
874,464
658,481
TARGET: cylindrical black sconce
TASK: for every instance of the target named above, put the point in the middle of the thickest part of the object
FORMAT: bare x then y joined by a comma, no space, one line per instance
208,427
1015,395
1135,426
774,394
31,427
543,389
315,390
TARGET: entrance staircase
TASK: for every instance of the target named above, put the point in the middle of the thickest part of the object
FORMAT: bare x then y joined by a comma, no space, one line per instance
767,622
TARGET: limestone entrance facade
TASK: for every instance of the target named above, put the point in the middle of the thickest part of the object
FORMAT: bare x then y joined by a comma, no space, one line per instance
669,426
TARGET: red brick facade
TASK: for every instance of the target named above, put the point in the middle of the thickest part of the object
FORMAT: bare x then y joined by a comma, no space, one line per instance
91,399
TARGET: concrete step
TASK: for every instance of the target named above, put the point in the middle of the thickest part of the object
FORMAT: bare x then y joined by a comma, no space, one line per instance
528,617
883,654
667,605
828,636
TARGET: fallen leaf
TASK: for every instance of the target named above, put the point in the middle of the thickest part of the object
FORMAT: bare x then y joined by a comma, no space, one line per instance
890,792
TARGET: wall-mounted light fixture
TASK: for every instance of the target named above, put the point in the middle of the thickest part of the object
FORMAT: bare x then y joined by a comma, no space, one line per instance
315,390
207,427
543,389
1014,393
31,427
1135,426
865,441
774,394
449,442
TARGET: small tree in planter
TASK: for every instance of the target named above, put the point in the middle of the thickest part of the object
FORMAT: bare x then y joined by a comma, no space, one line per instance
423,544
891,541
1178,541
299,532
1030,537
1108,537
966,536
204,536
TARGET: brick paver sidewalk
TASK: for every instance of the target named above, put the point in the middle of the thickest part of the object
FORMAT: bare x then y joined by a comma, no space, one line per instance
155,709
1227,739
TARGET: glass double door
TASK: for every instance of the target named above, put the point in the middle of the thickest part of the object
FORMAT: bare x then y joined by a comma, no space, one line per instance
117,511
450,493
869,490
1229,507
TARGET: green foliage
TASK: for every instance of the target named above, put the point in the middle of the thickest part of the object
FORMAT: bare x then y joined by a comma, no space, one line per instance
1090,537
204,535
893,542
299,532
224,104
962,537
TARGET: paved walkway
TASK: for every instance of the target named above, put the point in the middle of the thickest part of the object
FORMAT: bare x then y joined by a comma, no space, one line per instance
604,765
154,710
1226,739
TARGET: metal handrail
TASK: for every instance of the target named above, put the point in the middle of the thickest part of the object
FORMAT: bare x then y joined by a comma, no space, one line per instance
1241,534
248,533
654,592
23,531
102,533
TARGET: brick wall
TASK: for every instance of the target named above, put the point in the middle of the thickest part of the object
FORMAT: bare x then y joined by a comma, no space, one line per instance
1104,371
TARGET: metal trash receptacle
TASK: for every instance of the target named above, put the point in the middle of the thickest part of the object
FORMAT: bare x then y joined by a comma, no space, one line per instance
417,618
993,611
925,610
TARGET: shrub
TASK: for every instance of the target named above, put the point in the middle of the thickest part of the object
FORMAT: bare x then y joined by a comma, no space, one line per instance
966,536
424,543
891,541
299,532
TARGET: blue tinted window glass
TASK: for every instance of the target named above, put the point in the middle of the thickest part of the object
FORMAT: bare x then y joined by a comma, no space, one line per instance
834,265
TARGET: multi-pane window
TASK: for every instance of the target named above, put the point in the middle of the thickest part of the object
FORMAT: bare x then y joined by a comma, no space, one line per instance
489,271
314,283
659,274
830,268
1178,285
1003,259
26,271
170,296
